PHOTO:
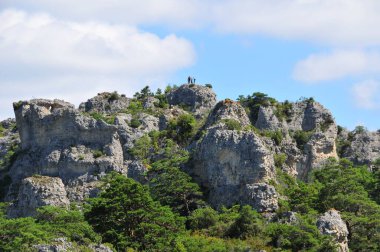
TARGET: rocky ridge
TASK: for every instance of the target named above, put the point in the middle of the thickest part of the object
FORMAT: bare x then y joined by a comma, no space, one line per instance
234,156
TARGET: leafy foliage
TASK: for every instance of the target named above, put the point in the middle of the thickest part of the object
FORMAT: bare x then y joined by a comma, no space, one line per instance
232,124
51,222
126,216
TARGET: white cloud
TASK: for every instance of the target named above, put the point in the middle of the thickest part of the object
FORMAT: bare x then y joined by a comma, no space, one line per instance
44,56
337,64
367,94
336,22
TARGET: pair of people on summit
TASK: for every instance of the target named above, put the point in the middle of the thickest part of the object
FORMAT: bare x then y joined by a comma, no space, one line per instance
190,80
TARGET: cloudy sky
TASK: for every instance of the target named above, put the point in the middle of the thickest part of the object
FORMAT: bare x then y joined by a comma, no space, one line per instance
326,49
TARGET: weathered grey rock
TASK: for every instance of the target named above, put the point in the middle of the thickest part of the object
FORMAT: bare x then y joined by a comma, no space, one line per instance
59,245
266,119
262,197
198,99
59,141
330,223
100,248
364,147
288,218
225,161
38,191
128,135
106,103
136,170
150,102
227,110
63,245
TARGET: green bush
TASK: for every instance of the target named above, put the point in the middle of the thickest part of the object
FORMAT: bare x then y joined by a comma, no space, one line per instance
279,159
276,135
208,85
302,137
232,124
97,153
114,96
135,123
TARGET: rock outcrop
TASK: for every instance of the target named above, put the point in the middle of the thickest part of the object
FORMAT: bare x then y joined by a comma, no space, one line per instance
262,197
38,191
105,103
330,223
309,131
196,98
228,110
226,161
363,147
59,141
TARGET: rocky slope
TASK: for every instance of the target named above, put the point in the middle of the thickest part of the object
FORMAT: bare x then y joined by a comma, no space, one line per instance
63,151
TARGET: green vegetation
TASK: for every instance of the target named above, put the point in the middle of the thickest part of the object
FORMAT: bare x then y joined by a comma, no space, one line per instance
1,130
114,96
51,222
302,137
254,101
208,85
279,159
283,110
97,153
17,105
135,123
126,216
232,124
182,128
110,119
275,135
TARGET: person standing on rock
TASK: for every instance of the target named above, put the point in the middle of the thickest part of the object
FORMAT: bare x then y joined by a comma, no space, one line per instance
193,80
189,80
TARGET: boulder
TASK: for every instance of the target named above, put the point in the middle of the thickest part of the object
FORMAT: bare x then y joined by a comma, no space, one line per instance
198,99
331,223
38,191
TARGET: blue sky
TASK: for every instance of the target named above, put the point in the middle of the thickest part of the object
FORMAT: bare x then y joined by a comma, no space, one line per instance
326,49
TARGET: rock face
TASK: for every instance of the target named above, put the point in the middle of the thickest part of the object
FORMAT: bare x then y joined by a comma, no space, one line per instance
38,191
330,223
198,99
105,103
59,141
262,197
226,161
364,147
307,122
228,110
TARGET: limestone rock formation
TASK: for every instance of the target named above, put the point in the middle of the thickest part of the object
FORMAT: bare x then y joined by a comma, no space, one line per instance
59,141
38,191
310,134
198,99
226,161
228,110
331,223
363,148
262,197
105,103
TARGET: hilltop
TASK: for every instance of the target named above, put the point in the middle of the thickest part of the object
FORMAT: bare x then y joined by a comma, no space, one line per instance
285,160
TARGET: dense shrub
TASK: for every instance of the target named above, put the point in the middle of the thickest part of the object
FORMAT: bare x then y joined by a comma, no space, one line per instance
232,124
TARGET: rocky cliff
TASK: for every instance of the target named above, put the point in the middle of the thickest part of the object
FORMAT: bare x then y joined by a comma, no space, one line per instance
234,152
